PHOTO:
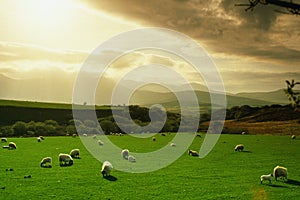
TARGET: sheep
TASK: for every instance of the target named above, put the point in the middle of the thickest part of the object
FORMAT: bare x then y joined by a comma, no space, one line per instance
280,171
75,153
100,143
106,168
39,139
74,135
65,159
85,135
12,145
293,137
193,153
94,136
3,139
131,158
125,153
42,137
46,162
266,178
173,145
239,147
153,138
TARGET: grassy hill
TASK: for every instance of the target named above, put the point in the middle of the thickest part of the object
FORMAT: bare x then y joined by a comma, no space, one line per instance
223,174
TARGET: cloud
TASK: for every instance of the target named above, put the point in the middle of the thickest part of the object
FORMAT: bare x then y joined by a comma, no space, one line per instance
219,25
15,51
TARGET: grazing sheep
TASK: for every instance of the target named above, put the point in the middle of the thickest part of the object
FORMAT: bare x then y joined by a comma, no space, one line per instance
266,178
106,168
280,171
173,145
239,147
39,139
100,143
125,153
85,135
74,135
3,139
153,138
42,137
94,136
46,162
131,158
293,137
65,159
75,153
193,153
12,145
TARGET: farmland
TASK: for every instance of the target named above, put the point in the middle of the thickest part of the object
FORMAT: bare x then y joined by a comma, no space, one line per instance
223,174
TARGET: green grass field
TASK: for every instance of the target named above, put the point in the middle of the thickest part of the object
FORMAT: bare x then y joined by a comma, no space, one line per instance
223,174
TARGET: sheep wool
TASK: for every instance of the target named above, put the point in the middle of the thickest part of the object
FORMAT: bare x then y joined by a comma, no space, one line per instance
75,153
65,159
100,143
239,147
131,158
46,162
280,171
12,145
193,153
266,178
125,153
106,168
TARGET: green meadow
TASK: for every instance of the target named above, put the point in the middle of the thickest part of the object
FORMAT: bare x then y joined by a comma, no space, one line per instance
223,174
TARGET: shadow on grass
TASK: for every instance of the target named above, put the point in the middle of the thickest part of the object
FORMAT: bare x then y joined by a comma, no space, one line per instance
246,151
293,182
110,178
276,186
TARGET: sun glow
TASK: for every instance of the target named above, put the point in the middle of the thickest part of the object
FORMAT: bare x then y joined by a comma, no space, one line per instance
45,12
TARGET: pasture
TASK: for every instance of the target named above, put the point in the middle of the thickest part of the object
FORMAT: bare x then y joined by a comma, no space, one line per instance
223,174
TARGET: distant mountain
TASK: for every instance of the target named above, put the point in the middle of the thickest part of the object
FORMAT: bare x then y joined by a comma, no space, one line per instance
275,97
169,99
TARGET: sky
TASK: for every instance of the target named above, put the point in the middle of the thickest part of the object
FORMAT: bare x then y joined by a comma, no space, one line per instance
44,43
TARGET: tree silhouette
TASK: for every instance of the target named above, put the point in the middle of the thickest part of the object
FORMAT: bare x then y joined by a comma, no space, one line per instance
293,96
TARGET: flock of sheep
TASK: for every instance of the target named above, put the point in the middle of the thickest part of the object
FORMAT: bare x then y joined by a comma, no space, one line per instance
278,171
67,159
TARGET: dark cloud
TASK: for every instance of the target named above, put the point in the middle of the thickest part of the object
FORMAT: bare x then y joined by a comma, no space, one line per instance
221,26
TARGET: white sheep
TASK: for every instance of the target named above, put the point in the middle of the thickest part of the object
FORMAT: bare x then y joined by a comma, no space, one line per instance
193,153
94,136
85,135
46,162
100,143
42,137
12,145
3,139
75,153
280,171
74,135
239,147
266,178
65,159
293,137
106,168
39,139
131,158
173,145
125,153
